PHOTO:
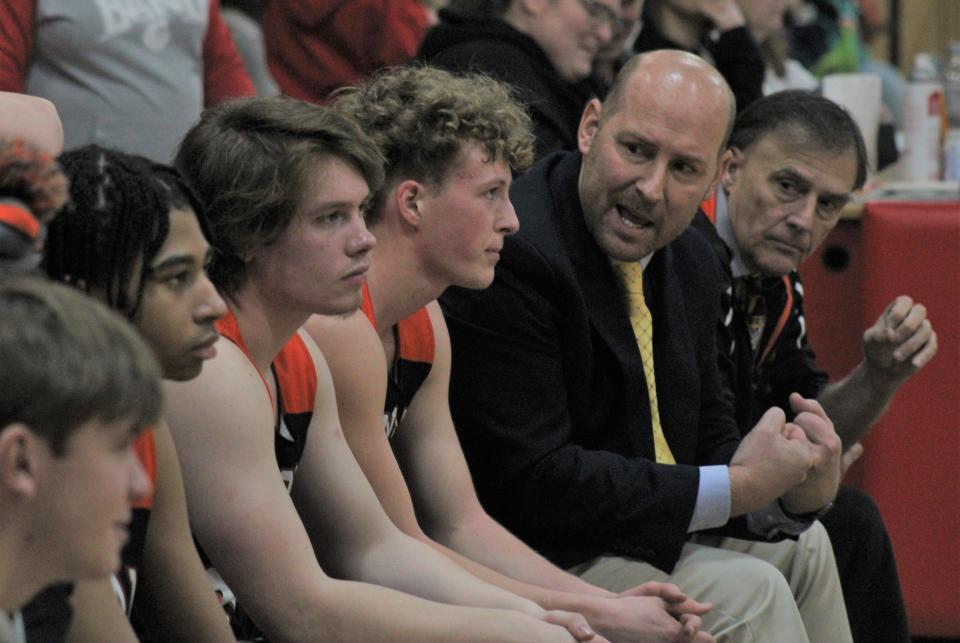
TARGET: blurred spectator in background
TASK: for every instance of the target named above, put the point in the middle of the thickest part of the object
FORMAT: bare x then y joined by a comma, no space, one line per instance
243,19
318,46
714,29
545,50
831,36
126,74
765,23
614,54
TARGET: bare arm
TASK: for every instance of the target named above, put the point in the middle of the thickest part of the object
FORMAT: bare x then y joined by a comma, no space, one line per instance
223,423
173,581
368,546
97,615
445,498
899,344
32,119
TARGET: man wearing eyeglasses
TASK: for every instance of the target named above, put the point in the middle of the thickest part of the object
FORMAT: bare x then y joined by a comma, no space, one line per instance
545,50
796,157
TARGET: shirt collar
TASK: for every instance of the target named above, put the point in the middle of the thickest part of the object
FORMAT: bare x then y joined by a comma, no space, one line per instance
725,230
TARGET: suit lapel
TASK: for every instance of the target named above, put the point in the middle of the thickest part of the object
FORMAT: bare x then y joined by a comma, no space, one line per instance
676,364
603,300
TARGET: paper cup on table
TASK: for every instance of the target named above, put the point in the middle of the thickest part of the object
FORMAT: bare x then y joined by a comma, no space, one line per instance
860,95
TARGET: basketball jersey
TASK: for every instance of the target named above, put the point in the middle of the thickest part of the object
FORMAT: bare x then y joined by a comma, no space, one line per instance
413,359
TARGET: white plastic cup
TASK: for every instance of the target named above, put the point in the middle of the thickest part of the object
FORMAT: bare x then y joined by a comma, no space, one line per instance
860,95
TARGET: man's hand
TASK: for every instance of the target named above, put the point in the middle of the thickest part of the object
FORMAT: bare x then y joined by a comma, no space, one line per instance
773,458
850,456
822,481
724,14
899,343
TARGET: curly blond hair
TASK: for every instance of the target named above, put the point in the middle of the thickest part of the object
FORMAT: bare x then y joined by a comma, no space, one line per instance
421,117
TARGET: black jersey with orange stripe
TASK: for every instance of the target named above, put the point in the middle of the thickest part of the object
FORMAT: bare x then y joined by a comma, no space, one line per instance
296,378
413,359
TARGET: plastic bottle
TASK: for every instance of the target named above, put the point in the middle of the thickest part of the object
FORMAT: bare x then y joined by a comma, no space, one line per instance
951,84
923,109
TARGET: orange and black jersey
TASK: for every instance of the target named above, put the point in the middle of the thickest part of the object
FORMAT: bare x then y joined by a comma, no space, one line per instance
296,378
412,361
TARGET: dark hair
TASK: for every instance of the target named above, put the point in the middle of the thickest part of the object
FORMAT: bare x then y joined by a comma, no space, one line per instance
249,159
66,359
116,222
421,118
806,119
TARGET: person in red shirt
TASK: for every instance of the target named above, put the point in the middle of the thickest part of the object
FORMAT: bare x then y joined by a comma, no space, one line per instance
316,47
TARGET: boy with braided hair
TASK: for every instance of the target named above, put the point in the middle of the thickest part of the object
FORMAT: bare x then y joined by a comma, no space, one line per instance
133,237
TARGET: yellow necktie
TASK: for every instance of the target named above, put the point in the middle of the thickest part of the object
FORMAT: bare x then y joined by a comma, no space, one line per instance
631,278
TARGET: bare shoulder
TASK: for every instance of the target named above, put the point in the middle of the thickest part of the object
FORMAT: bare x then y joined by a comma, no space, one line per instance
351,350
227,404
344,336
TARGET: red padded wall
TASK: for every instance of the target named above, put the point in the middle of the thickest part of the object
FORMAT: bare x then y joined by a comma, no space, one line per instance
912,466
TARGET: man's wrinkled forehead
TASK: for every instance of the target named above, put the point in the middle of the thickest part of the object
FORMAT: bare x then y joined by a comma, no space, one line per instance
794,151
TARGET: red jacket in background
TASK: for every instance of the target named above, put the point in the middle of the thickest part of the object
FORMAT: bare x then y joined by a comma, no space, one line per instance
317,46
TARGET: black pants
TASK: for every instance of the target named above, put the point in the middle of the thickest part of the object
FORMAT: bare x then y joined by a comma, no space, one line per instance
868,571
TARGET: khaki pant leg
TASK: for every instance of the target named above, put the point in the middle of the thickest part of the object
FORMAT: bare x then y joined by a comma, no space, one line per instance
752,601
811,572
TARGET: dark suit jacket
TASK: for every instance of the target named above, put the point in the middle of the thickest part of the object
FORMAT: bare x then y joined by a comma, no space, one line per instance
548,390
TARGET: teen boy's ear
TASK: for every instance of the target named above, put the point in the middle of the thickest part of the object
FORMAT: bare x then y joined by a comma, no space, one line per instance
409,195
18,460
